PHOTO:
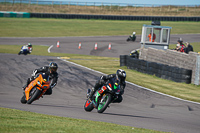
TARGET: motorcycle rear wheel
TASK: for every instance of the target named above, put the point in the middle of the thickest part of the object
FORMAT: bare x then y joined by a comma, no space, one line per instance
103,104
88,106
35,94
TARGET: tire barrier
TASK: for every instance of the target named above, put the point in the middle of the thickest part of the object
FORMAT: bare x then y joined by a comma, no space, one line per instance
160,70
113,17
123,60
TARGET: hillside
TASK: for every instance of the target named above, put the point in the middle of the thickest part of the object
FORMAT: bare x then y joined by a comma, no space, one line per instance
133,10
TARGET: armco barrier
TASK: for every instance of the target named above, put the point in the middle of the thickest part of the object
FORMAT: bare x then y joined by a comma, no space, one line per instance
113,17
160,70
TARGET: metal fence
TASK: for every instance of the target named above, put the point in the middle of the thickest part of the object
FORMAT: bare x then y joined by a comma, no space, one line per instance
68,7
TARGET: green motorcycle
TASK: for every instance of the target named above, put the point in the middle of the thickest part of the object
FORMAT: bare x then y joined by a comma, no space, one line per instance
102,102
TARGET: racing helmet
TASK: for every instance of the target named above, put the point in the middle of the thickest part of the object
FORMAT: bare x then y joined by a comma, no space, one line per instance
29,45
53,67
121,74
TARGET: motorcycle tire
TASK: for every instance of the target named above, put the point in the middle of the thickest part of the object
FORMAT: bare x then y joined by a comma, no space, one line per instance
23,99
104,102
88,106
34,94
128,39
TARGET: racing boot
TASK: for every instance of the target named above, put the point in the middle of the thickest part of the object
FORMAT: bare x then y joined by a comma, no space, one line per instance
27,83
24,87
93,90
90,94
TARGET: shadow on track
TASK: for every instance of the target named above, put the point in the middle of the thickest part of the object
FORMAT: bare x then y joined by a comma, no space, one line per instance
130,115
57,106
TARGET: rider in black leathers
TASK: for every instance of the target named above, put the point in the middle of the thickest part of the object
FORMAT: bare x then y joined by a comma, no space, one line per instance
118,78
51,70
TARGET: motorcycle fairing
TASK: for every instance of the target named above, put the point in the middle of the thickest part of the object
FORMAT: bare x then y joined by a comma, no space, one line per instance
40,83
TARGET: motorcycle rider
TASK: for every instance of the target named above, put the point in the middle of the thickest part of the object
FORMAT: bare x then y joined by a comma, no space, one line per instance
29,47
118,78
26,49
51,70
132,37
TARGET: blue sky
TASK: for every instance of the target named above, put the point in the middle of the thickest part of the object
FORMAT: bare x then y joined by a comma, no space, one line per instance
151,2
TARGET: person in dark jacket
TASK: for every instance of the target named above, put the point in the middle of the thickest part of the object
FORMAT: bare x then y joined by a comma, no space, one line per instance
188,47
51,70
118,78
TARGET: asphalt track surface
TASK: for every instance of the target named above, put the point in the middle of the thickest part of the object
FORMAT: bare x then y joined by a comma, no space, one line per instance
140,108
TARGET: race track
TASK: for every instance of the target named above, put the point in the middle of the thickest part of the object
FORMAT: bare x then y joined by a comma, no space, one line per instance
140,107
119,45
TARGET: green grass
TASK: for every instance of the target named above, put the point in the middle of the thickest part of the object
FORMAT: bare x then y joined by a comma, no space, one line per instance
16,121
32,27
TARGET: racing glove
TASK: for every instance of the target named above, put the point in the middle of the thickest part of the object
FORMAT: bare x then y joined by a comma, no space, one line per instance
34,73
52,86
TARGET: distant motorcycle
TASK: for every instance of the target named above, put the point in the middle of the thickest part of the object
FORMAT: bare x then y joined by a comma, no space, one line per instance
25,50
132,37
36,88
134,54
108,96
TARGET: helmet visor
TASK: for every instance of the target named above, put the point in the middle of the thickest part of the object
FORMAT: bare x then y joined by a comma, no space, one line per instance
53,69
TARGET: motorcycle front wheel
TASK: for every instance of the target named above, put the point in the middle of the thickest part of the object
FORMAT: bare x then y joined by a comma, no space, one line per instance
88,106
33,95
104,102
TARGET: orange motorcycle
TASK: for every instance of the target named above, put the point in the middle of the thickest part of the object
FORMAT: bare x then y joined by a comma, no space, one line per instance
36,88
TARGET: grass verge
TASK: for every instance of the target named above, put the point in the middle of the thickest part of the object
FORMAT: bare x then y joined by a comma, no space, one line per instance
17,121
